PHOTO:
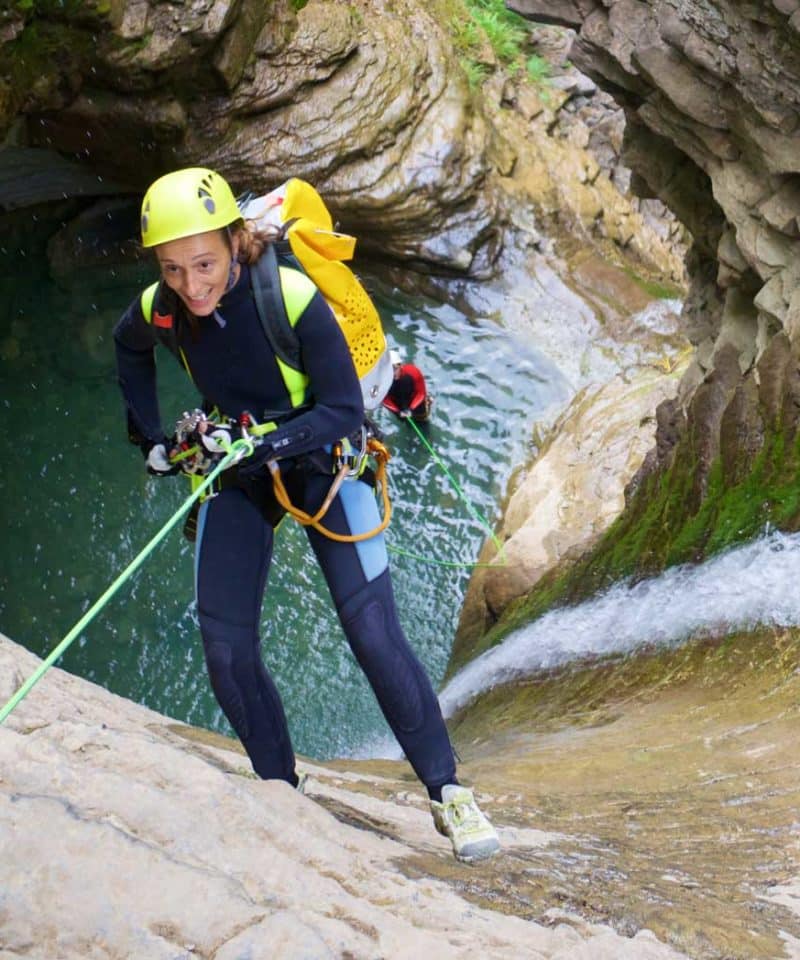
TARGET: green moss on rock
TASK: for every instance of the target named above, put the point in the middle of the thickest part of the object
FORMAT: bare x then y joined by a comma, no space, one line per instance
669,522
43,53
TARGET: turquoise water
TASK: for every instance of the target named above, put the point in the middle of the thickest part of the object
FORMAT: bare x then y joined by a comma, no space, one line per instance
77,507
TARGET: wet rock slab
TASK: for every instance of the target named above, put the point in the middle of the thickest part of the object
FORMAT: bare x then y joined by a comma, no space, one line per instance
124,834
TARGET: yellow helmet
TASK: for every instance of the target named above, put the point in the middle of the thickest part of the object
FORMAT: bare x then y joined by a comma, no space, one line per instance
186,202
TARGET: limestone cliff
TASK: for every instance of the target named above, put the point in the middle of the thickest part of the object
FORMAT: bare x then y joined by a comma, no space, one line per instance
363,99
711,105
568,497
367,100
711,100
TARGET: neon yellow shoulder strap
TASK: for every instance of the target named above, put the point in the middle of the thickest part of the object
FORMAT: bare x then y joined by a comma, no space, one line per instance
146,301
297,292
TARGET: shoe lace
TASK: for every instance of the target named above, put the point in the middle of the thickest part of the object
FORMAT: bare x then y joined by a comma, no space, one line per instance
464,813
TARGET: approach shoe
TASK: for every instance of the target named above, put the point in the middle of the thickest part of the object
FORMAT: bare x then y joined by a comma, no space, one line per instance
459,818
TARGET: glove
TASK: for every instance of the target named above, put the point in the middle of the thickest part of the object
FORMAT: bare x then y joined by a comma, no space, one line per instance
218,440
158,462
252,464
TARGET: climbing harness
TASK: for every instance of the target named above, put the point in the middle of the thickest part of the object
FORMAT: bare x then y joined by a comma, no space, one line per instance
349,461
240,448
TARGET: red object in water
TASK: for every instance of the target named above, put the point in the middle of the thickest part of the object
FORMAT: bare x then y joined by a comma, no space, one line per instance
408,390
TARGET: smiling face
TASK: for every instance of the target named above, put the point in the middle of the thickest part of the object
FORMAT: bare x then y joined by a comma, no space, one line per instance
197,268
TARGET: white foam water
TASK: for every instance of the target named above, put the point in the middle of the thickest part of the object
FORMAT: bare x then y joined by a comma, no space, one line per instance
746,586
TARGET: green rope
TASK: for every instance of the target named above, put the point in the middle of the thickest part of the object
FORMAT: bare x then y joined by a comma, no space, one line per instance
441,563
469,505
134,565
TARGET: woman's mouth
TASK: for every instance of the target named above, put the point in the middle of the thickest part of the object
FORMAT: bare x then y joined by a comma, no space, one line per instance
196,303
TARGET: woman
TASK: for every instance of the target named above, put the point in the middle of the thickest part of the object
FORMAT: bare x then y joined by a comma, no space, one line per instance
205,302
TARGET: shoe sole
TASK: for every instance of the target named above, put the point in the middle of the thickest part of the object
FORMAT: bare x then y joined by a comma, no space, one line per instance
478,852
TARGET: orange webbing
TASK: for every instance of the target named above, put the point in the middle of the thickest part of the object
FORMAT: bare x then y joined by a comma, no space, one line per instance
381,456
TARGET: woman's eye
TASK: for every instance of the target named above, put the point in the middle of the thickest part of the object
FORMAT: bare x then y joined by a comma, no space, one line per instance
206,265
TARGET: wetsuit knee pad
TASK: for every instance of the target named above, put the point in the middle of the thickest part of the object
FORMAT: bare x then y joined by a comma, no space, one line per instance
224,646
377,640
248,697
240,681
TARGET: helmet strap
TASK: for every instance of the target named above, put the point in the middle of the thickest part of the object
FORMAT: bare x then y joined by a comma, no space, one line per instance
232,270
231,275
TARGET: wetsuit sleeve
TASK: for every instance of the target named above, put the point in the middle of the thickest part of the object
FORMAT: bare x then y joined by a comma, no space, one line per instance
134,344
338,408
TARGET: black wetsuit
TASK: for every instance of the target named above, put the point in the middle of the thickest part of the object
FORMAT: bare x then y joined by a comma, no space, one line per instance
402,391
235,369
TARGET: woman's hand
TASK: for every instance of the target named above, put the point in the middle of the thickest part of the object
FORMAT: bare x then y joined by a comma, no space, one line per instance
257,459
158,461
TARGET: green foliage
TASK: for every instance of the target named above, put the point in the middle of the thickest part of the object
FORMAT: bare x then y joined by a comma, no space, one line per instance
488,22
658,290
39,48
505,31
48,8
465,33
538,69
476,72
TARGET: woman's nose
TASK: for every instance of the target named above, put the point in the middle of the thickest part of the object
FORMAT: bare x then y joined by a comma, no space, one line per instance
192,284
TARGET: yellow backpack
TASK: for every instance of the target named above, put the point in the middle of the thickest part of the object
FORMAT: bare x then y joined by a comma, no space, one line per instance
307,239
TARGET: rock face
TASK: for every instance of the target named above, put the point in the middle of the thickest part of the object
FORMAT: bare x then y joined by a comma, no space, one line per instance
712,105
126,835
569,496
364,100
369,101
655,793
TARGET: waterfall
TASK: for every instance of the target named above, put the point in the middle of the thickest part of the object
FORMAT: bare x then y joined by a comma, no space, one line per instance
751,585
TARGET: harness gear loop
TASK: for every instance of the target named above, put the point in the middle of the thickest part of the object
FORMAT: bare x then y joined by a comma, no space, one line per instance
350,464
380,454
344,453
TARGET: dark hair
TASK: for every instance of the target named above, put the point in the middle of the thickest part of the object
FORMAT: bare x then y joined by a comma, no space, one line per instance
252,239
